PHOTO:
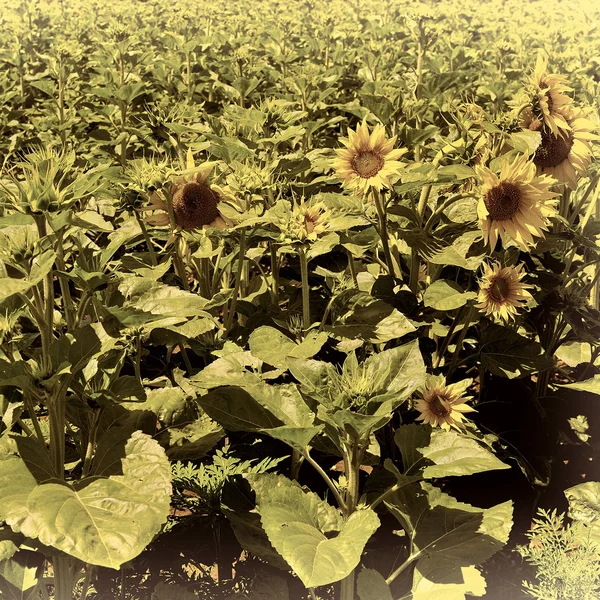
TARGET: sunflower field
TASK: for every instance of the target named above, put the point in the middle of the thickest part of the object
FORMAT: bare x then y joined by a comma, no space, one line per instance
299,299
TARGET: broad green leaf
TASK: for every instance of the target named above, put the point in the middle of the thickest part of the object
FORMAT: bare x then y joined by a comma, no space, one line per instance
192,441
9,542
457,253
591,386
273,347
445,295
371,585
409,439
103,521
21,576
9,287
455,586
455,454
575,353
584,503
296,523
236,368
506,353
448,534
148,295
237,410
297,437
525,141
170,405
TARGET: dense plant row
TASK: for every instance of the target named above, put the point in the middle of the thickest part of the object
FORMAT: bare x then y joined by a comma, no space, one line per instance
290,290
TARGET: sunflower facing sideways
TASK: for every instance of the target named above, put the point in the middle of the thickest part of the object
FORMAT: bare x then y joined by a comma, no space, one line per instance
501,292
517,203
195,203
566,155
443,405
368,159
550,100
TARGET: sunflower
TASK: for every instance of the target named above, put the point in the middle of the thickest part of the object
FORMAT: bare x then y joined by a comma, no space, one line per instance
517,203
368,159
195,203
443,405
501,292
565,155
549,98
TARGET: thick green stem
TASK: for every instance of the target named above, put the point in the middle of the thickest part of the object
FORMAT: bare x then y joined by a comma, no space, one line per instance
415,261
383,233
147,239
274,273
63,578
68,305
459,343
179,264
238,279
402,568
56,415
352,467
306,321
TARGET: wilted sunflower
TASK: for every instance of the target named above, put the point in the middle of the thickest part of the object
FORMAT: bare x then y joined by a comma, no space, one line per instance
567,155
443,405
517,203
501,293
368,159
550,100
195,203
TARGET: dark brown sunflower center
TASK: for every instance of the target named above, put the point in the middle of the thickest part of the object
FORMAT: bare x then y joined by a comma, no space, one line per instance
195,205
499,289
503,201
554,149
367,164
439,405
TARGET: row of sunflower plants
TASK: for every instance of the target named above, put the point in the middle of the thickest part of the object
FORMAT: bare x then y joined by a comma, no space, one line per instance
260,285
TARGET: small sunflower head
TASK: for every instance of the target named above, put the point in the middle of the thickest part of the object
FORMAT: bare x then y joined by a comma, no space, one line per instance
19,244
443,405
501,292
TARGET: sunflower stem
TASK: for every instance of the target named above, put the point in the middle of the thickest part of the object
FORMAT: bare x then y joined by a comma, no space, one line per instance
236,289
179,264
352,266
147,239
306,322
274,273
415,259
459,342
383,232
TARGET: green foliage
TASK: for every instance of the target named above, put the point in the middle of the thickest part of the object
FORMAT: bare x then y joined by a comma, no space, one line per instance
565,557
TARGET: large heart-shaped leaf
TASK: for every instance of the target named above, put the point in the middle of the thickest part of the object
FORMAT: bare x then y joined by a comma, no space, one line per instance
103,521
296,523
20,576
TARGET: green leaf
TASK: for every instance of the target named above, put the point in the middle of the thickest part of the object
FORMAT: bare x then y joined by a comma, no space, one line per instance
409,439
104,521
273,347
9,287
147,295
194,440
237,410
371,585
584,503
454,586
455,454
525,141
297,437
296,523
591,386
448,535
458,253
506,353
575,353
21,576
445,295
